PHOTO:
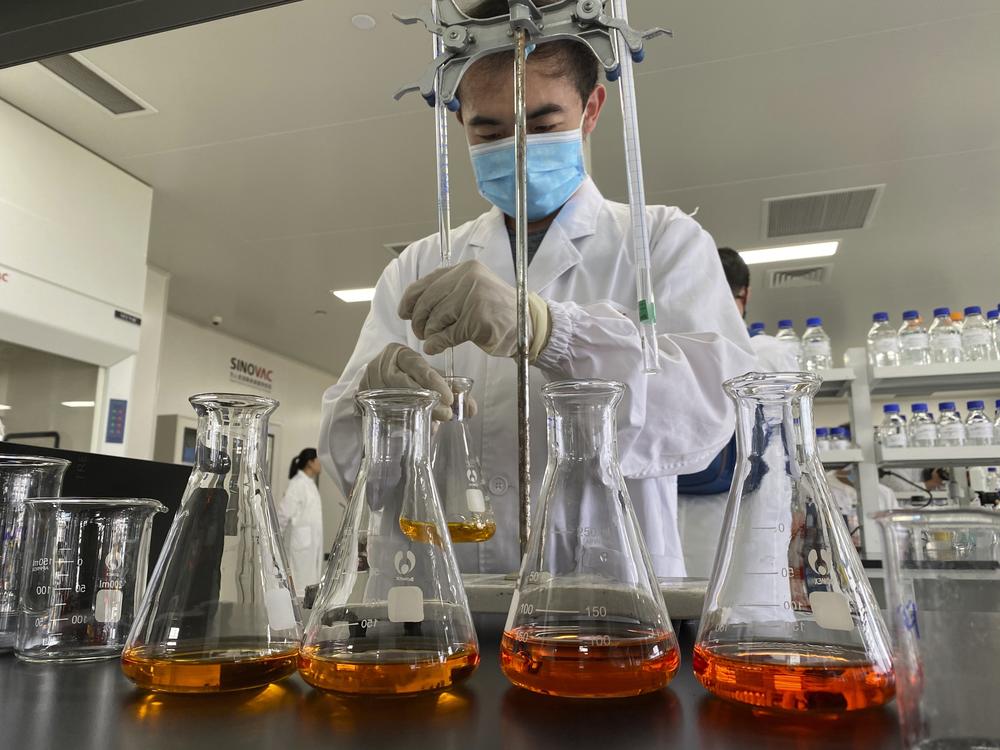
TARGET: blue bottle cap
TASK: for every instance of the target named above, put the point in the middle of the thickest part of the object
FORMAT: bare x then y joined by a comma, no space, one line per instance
998,403
975,405
880,317
973,310
785,324
890,409
992,314
911,315
947,406
822,432
814,322
919,408
939,311
758,327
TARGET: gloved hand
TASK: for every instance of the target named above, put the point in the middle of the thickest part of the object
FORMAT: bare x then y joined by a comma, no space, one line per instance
469,302
398,366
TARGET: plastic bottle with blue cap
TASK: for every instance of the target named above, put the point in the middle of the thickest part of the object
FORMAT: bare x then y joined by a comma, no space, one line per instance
883,342
756,329
945,338
977,336
923,428
816,351
892,432
790,339
951,428
914,342
822,439
978,426
996,424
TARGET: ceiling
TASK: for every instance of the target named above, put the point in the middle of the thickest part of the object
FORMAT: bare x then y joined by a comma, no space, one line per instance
282,166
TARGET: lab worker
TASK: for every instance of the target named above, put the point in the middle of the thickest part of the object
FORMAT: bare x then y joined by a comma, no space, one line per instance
583,310
701,516
300,519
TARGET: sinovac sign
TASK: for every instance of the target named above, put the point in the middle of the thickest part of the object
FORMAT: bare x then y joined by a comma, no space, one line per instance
250,373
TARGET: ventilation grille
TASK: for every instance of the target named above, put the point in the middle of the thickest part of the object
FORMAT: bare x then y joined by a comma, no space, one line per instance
793,278
820,212
93,85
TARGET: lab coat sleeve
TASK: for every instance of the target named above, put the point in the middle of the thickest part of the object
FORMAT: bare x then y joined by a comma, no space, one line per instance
340,430
677,420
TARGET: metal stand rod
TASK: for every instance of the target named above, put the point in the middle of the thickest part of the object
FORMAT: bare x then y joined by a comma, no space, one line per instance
443,189
521,269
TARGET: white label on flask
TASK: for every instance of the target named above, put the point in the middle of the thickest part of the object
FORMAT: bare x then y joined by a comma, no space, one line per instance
924,432
832,610
976,337
514,601
886,345
979,431
817,348
108,605
953,431
475,500
406,604
896,440
280,613
914,340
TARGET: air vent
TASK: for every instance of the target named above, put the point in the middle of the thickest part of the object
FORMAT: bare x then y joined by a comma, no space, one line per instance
793,278
95,85
821,212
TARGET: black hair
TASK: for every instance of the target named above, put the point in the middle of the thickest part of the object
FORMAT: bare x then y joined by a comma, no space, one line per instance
566,58
301,461
736,270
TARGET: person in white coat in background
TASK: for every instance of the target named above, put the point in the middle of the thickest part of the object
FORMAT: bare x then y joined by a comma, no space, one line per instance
300,518
701,515
582,303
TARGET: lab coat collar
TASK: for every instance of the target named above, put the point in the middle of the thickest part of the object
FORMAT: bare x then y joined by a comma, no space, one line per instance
557,253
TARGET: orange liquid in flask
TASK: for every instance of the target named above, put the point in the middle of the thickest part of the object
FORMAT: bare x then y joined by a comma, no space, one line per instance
567,661
793,677
467,531
206,672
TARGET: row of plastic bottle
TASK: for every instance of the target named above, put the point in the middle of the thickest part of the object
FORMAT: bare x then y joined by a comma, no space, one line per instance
812,351
949,338
833,438
949,429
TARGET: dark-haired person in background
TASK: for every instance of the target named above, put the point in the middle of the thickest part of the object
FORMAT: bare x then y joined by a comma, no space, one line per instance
300,518
582,304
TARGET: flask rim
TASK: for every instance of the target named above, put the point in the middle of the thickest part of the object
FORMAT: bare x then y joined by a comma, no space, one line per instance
459,383
773,386
398,397
89,503
14,461
940,518
233,401
587,387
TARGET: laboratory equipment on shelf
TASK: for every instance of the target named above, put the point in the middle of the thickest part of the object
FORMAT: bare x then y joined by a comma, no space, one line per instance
816,351
882,342
951,428
789,622
21,477
219,613
399,623
945,338
756,329
943,594
787,336
587,619
978,426
840,438
977,336
83,577
996,423
457,472
823,439
892,432
914,341
923,430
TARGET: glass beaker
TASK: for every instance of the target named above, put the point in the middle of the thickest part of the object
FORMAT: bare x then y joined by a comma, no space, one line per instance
587,619
942,579
402,625
790,621
21,477
83,576
220,612
457,473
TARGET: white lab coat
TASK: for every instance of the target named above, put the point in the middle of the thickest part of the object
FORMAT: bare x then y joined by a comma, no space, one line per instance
700,516
670,423
300,518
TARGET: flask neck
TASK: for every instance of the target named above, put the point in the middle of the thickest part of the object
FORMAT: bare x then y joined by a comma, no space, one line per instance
583,431
767,427
231,438
395,432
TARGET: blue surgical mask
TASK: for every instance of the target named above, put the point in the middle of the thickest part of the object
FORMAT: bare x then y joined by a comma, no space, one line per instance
555,171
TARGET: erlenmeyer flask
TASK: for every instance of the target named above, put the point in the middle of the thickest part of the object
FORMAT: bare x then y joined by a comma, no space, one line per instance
790,621
21,477
587,619
457,473
402,625
219,613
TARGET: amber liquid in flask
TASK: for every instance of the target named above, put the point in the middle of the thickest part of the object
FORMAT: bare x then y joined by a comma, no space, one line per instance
207,672
472,531
790,622
402,625
587,619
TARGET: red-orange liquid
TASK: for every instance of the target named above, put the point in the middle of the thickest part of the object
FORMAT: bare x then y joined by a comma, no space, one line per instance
793,677
356,675
563,661
206,672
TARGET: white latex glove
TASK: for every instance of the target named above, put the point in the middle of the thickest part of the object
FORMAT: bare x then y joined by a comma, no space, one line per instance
469,302
398,366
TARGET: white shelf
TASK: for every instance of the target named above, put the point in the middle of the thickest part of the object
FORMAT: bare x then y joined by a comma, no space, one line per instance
836,381
980,455
929,379
842,456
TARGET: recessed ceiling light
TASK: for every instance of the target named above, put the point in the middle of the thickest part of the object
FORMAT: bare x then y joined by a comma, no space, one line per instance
789,252
78,404
4,407
363,21
354,295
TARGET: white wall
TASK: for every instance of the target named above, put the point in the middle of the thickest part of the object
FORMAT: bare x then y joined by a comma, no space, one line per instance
142,410
196,359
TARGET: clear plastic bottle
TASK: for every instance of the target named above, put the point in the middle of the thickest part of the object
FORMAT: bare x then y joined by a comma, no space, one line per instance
996,424
951,428
883,342
816,351
923,428
993,320
840,438
914,343
756,329
978,427
787,336
977,337
945,338
892,432
822,439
